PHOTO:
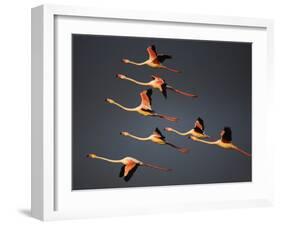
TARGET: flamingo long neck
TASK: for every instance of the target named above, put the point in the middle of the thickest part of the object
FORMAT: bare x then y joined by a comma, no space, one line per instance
139,138
108,160
137,82
136,63
124,108
180,133
208,142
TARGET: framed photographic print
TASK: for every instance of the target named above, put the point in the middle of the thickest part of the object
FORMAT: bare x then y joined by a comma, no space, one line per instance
137,113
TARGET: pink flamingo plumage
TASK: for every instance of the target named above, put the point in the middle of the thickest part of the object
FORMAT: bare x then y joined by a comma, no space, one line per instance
130,165
156,137
224,142
144,108
154,60
157,83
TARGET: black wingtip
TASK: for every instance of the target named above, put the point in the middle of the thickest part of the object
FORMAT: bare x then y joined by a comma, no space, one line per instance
157,130
149,92
131,173
122,170
227,136
200,119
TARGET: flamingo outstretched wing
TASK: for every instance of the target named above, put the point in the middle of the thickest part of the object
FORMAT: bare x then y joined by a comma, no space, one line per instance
199,123
151,50
158,133
162,57
122,170
164,89
130,169
146,98
226,135
162,83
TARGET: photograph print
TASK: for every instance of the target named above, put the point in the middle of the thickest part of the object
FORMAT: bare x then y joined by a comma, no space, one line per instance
160,112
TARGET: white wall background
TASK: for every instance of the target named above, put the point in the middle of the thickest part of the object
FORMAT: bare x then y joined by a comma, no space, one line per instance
15,112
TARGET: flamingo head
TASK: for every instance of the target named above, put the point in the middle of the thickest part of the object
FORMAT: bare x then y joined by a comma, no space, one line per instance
120,76
168,129
125,61
110,101
92,155
124,133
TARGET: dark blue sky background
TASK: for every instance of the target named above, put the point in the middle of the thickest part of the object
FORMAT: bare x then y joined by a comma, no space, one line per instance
219,72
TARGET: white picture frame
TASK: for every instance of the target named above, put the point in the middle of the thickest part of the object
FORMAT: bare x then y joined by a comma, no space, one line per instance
50,27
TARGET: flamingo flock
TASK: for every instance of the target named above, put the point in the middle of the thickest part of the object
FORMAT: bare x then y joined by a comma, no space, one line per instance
197,133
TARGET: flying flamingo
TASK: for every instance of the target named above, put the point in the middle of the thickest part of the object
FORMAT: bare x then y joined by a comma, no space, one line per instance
155,60
156,137
145,107
224,142
130,165
197,131
156,83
